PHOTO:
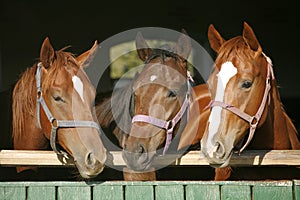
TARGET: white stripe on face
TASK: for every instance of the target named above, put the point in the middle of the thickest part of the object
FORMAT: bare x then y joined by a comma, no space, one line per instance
226,73
153,78
78,86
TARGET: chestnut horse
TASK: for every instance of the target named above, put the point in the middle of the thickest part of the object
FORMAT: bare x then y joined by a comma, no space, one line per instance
162,95
53,101
246,110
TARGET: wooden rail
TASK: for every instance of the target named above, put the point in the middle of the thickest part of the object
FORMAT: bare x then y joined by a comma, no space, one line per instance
247,158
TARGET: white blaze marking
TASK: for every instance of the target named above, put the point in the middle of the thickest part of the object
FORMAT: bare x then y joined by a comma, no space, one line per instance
153,78
226,73
78,86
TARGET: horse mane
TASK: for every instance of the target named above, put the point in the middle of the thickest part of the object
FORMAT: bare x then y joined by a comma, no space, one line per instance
122,100
23,100
25,92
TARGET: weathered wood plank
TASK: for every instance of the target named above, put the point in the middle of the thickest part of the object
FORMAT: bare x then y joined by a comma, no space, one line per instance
247,158
202,192
169,192
107,192
273,192
32,158
12,192
41,192
74,192
139,192
297,189
236,192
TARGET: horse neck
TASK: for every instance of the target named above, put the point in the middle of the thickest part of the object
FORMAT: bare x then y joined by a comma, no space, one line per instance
278,131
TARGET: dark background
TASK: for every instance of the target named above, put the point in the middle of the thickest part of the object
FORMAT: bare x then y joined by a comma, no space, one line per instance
25,24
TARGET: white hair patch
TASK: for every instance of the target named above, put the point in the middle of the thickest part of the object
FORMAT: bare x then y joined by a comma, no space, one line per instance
153,78
78,86
228,70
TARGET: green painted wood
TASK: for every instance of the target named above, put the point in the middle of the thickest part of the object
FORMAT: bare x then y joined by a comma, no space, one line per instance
169,192
122,190
106,192
272,192
12,193
40,192
139,192
297,189
202,192
74,193
236,192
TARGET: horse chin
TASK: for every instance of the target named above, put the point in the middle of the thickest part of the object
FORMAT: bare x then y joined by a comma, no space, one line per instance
221,163
139,165
87,173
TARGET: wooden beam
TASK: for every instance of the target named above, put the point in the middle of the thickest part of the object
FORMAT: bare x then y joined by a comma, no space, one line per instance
247,158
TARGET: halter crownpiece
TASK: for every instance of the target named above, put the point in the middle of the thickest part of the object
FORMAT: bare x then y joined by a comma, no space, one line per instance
55,124
253,120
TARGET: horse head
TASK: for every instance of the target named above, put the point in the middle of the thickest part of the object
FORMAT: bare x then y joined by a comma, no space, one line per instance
63,111
160,99
240,87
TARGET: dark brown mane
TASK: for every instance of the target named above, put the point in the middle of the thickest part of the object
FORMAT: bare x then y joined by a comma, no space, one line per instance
25,92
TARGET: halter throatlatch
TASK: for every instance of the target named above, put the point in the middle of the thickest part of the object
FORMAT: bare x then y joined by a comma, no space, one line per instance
253,120
167,125
55,124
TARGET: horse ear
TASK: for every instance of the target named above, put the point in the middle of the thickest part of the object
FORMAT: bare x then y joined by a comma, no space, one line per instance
215,39
143,50
250,38
87,57
47,53
184,46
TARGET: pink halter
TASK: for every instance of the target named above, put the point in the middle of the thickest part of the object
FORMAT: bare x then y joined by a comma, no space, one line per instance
253,120
167,125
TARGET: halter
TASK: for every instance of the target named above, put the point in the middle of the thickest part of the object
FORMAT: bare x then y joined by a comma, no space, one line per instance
55,124
167,125
170,124
253,120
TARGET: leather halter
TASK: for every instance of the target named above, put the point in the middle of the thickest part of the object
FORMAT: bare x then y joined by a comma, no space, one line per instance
55,124
253,120
170,124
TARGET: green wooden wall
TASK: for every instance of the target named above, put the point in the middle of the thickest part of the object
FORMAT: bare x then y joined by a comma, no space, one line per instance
164,190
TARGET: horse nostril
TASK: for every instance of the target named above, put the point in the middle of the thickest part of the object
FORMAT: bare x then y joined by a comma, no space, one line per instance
140,149
219,150
90,160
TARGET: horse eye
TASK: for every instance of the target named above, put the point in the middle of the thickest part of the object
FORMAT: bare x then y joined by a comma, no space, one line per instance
58,98
246,84
172,93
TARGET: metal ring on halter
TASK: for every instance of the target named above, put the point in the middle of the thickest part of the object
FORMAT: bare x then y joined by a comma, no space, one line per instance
253,122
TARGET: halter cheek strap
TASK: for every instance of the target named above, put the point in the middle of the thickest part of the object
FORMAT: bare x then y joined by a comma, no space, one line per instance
55,124
253,120
167,125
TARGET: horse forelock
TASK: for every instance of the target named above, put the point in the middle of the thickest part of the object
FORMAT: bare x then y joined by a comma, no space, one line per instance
233,48
61,62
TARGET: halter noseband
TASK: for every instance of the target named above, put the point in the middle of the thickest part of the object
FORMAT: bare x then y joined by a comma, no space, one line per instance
167,125
55,124
253,120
